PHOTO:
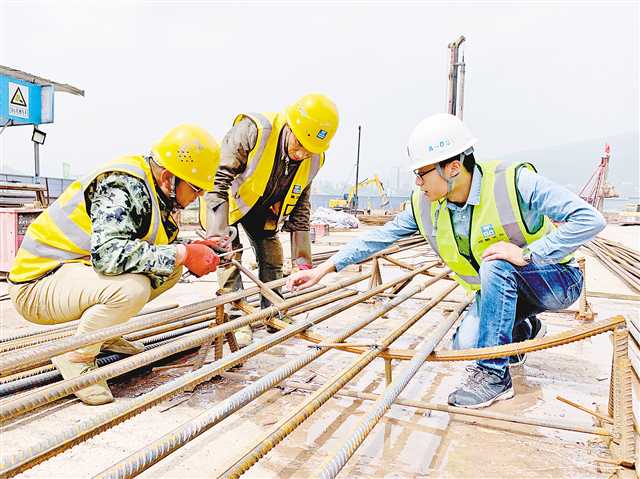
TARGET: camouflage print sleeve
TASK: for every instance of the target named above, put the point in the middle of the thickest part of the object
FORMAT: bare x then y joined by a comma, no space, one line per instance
119,211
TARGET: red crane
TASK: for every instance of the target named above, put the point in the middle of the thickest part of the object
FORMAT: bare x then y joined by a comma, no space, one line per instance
597,189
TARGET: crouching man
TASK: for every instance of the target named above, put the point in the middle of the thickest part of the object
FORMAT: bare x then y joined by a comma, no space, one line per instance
491,224
107,246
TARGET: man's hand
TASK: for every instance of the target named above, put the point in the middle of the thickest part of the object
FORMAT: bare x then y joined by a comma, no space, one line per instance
216,242
306,278
200,259
506,251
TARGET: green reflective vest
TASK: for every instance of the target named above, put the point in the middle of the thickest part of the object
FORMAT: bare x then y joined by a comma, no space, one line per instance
497,217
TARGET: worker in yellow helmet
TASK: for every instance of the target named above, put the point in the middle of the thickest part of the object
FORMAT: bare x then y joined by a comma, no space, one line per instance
267,164
107,246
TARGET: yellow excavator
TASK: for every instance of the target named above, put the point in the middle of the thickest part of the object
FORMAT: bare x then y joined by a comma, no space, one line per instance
347,200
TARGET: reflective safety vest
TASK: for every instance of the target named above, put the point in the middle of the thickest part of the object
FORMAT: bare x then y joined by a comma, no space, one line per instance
497,217
248,187
62,233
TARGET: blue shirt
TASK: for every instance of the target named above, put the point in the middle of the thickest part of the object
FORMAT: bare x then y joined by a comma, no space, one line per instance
538,197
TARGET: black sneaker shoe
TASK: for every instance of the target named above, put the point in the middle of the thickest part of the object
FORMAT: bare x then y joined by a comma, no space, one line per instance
482,388
534,329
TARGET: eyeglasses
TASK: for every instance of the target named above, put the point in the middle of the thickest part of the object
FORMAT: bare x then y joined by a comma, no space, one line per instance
421,175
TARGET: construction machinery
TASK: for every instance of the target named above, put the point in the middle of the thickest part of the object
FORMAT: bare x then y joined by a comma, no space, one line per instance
347,200
597,188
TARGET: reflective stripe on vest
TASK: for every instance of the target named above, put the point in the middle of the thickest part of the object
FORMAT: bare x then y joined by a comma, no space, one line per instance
62,233
247,188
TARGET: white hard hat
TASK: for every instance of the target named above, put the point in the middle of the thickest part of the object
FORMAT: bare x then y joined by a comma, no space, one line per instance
438,138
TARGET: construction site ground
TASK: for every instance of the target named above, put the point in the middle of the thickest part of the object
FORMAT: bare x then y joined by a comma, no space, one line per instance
406,443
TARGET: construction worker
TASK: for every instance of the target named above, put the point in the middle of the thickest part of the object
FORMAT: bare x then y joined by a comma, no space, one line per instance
267,164
107,246
491,224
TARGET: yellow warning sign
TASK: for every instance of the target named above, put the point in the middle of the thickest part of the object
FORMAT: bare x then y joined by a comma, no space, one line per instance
18,98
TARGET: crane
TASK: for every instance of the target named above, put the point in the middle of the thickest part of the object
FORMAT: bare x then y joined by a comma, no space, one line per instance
347,203
597,188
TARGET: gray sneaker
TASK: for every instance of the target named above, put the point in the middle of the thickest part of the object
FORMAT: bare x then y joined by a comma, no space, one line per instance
482,388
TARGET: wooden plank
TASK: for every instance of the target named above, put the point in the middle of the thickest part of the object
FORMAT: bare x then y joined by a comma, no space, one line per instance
22,186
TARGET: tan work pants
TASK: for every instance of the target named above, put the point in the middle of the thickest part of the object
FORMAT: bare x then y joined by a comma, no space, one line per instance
76,291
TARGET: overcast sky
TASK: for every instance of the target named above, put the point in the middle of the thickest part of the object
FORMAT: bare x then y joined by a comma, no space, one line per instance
538,74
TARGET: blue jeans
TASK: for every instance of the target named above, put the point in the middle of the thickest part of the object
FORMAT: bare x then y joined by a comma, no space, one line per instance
508,295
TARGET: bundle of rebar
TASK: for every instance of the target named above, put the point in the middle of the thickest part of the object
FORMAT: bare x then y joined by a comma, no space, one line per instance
621,260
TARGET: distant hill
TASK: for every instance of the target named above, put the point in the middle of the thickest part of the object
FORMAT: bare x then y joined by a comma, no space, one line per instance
572,164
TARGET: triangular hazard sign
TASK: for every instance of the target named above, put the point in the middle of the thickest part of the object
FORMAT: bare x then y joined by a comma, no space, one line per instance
18,99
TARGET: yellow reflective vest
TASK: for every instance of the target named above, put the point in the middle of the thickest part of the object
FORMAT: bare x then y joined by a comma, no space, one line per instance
62,233
497,217
247,188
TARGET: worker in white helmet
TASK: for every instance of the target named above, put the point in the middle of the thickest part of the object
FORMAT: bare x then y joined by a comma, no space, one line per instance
491,224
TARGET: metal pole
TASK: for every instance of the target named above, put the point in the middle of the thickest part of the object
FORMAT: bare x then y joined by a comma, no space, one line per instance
355,196
36,157
453,75
461,93
333,467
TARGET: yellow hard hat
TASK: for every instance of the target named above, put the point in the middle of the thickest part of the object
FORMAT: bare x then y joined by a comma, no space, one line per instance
313,120
191,154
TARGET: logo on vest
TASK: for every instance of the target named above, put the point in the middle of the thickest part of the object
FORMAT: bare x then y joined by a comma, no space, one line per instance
487,231
322,134
297,189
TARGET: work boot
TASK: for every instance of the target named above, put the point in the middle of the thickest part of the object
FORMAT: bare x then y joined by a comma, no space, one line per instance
244,336
122,346
482,388
530,328
93,395
283,317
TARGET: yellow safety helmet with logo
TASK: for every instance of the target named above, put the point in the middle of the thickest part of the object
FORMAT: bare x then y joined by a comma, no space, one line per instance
191,154
313,120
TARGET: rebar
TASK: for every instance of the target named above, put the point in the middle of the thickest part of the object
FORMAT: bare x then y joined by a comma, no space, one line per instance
83,430
428,406
333,466
21,360
47,374
189,341
292,420
52,374
154,452
50,334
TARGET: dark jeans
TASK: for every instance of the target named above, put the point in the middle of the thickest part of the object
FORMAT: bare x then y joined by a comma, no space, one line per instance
269,256
508,295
